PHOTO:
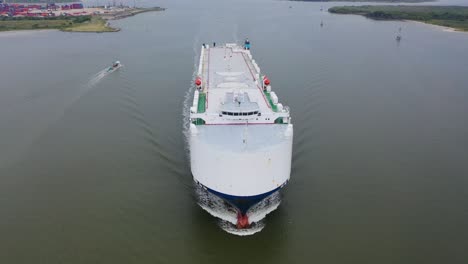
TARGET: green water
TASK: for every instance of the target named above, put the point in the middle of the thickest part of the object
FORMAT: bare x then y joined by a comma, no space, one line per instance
94,169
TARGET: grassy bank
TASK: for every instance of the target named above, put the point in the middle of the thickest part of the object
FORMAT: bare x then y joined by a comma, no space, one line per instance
449,16
95,24
130,12
23,23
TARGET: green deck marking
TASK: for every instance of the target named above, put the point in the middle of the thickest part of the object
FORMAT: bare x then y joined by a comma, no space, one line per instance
273,106
279,120
201,103
201,108
198,121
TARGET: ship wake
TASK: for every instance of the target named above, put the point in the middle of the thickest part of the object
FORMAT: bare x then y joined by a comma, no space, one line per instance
227,214
188,98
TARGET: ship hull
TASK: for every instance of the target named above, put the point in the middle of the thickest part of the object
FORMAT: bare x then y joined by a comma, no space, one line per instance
241,164
241,203
240,135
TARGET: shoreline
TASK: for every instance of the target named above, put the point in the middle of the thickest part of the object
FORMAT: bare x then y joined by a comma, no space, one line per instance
439,27
370,1
129,13
12,33
98,22
448,18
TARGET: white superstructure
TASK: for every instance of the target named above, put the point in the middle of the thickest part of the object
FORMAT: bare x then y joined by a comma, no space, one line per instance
240,134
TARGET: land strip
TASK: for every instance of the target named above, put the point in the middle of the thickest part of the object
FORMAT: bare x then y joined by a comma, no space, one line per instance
448,16
374,1
94,19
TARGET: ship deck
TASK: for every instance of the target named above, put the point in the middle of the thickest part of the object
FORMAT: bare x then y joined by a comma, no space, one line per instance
225,70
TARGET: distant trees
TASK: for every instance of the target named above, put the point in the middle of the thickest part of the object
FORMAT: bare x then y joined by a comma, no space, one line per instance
452,16
380,15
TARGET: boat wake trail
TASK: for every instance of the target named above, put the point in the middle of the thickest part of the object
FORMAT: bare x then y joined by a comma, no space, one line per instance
227,214
96,78
54,117
93,81
88,86
131,107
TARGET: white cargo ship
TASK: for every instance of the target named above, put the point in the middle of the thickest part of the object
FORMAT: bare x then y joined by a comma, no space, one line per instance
240,135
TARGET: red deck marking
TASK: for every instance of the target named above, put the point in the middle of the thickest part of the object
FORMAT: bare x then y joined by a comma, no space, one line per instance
253,77
251,73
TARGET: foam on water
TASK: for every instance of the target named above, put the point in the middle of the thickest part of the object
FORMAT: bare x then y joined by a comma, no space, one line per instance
99,76
259,211
256,214
215,206
232,229
227,214
188,97
96,78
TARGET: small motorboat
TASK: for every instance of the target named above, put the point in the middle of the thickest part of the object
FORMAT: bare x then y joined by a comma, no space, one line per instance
114,66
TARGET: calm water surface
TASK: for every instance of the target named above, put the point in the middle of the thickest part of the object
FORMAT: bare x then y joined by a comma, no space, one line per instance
94,169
